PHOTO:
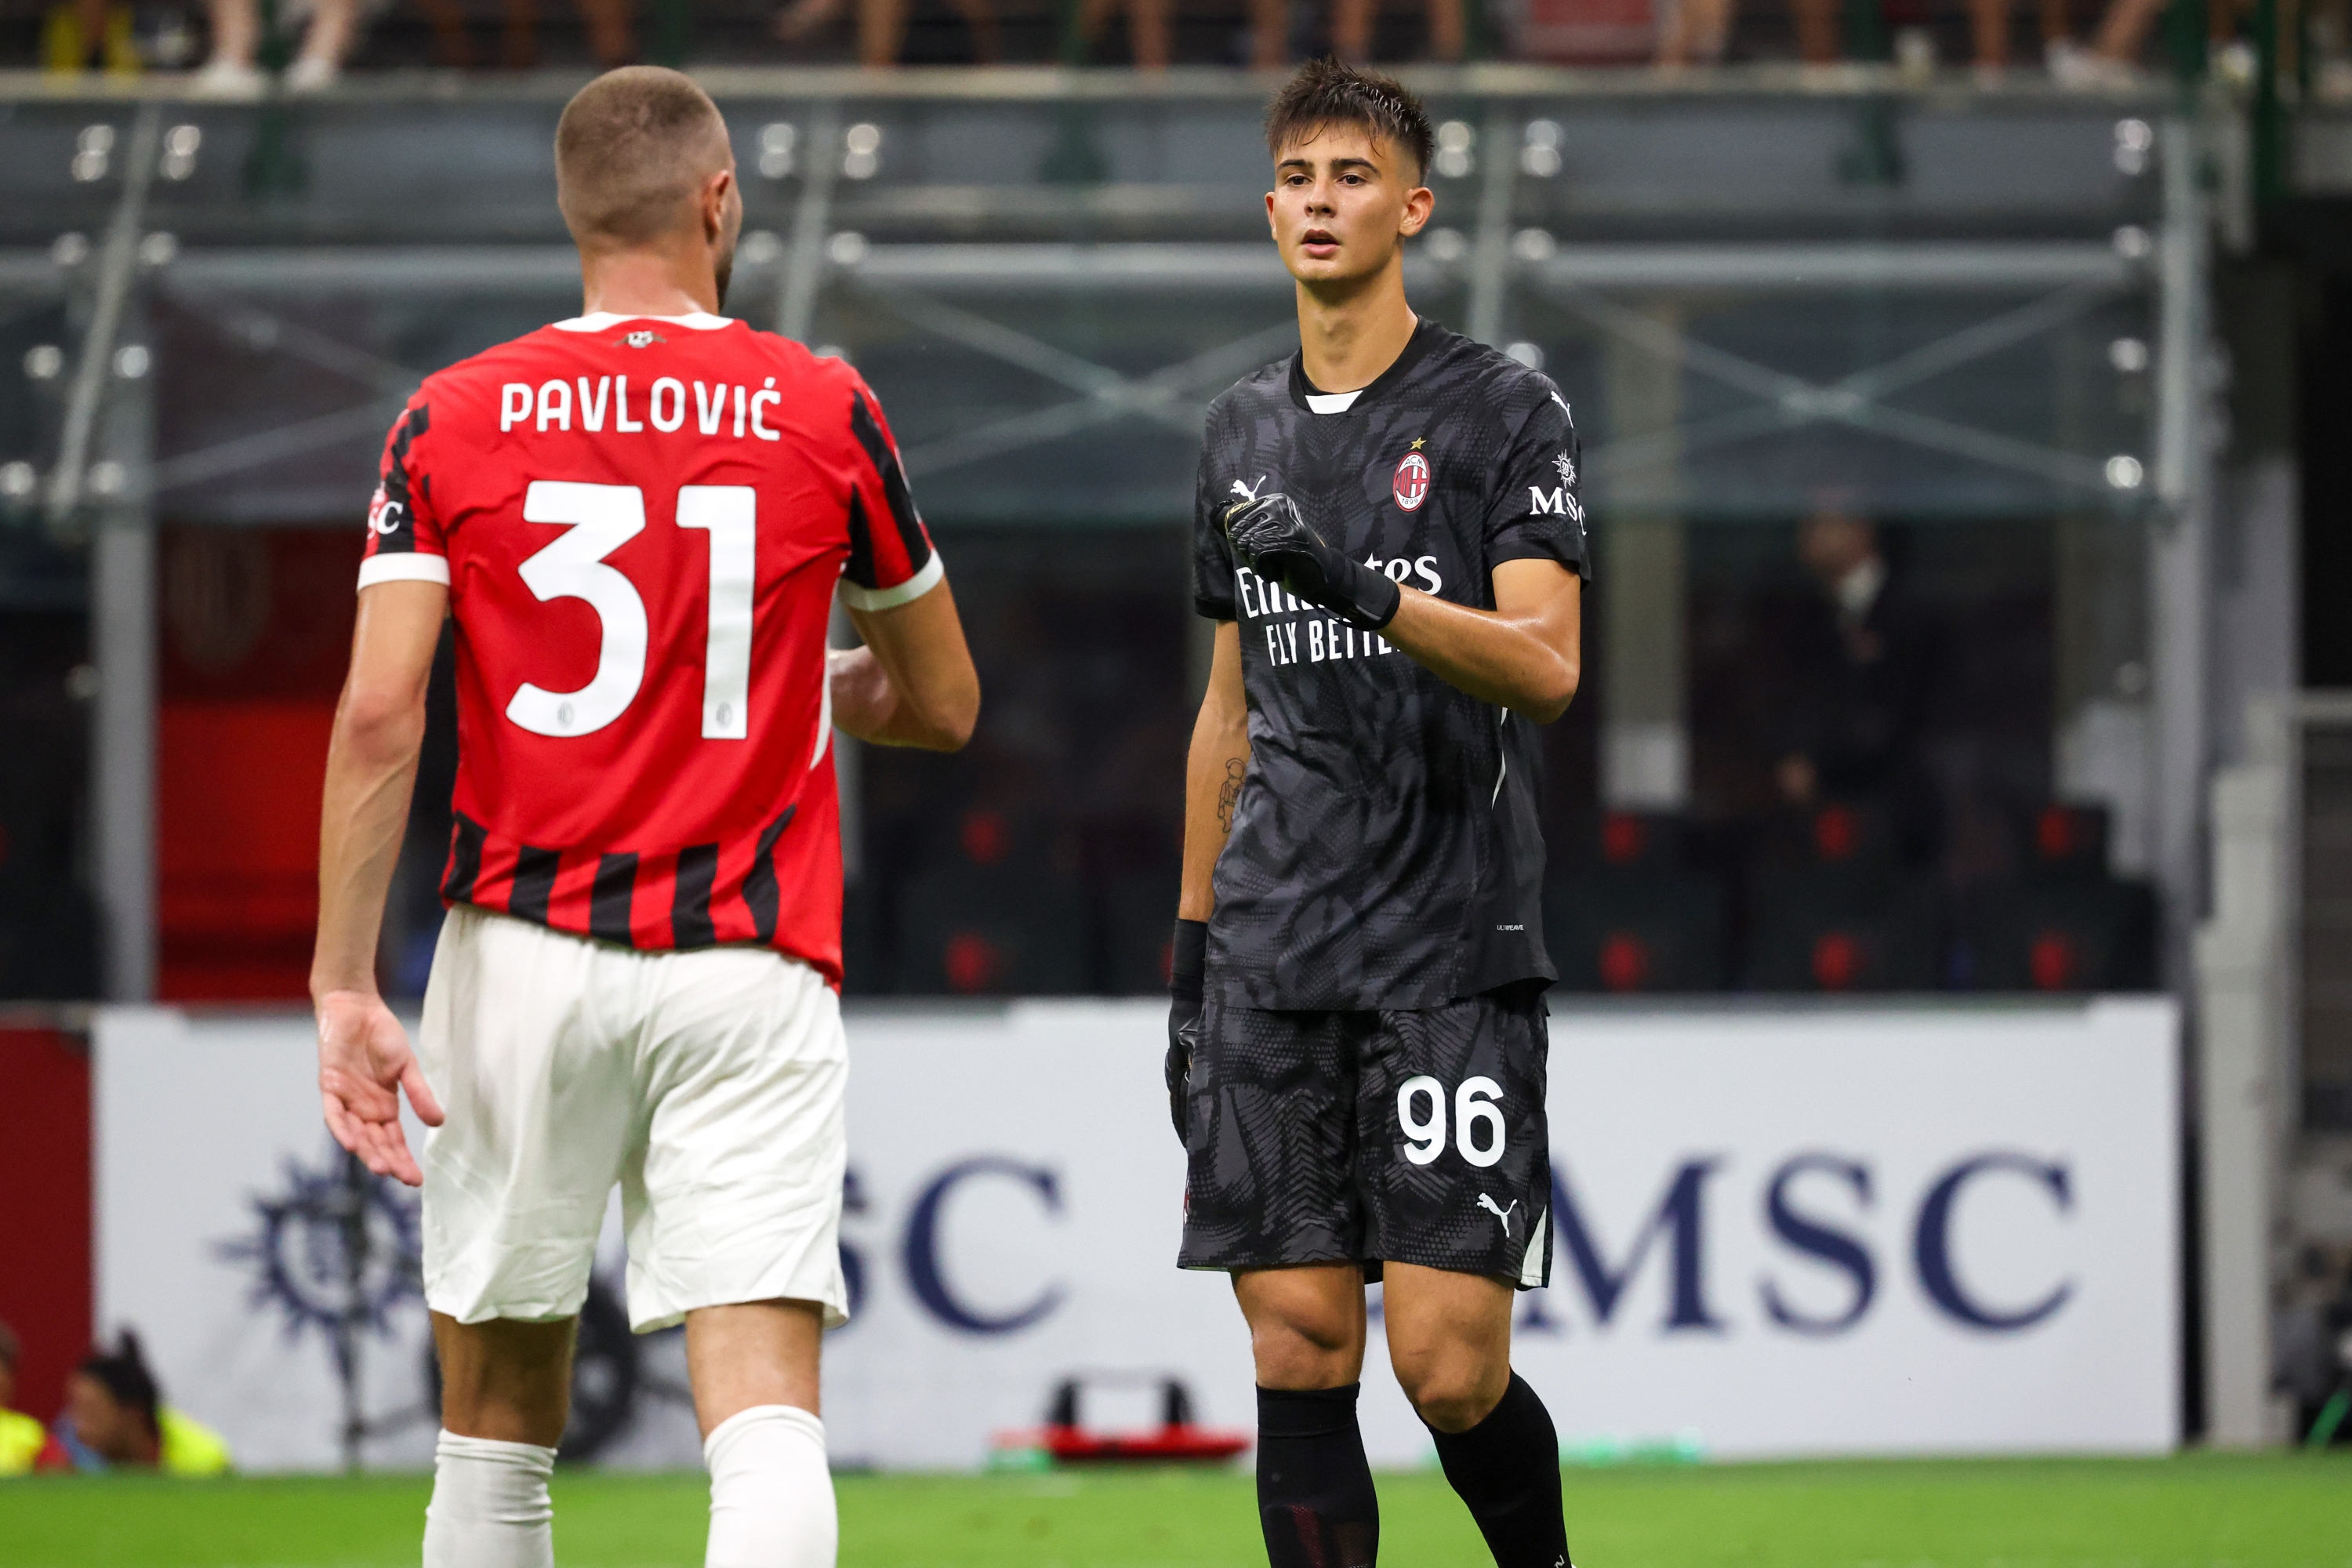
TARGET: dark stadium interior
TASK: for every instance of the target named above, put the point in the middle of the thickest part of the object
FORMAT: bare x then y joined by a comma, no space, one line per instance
1047,419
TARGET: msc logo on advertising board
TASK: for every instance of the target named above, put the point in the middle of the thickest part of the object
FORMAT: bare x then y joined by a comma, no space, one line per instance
1818,1211
1796,1216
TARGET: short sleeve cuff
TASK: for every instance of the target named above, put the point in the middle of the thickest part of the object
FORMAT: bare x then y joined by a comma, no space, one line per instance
404,567
868,600
1215,609
1541,550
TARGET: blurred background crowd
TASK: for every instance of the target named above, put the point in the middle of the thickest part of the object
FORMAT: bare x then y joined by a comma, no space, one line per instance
233,47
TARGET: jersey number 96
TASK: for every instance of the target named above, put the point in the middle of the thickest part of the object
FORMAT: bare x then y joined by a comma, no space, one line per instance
1478,1119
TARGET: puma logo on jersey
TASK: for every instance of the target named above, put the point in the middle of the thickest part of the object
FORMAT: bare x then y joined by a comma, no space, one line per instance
1501,1216
1248,492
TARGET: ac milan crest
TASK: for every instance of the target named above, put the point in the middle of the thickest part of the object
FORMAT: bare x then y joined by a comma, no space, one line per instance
1412,482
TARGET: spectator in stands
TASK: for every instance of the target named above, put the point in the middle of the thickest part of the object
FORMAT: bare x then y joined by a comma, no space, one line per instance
1694,32
611,37
882,26
2113,58
1988,31
1863,668
237,45
1351,28
1150,26
89,34
116,1419
24,1445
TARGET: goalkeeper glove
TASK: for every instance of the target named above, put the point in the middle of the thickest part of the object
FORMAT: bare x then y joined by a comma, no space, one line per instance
1187,976
1274,542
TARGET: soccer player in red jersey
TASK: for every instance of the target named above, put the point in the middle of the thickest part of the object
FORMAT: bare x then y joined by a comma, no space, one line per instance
638,519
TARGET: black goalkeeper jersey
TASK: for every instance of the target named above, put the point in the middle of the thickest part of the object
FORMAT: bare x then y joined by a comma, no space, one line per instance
1385,851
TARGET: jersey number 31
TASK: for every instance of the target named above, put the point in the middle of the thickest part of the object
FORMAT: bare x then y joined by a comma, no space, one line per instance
603,518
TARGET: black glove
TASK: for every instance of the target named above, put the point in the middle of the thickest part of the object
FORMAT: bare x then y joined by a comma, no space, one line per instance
1274,542
1186,976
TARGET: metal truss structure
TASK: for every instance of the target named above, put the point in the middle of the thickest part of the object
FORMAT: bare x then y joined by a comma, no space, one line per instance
1934,304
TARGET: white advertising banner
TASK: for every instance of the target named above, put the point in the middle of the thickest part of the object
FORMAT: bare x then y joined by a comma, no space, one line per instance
1777,1231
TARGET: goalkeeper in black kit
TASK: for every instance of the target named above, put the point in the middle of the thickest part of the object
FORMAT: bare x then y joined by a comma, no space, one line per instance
1389,536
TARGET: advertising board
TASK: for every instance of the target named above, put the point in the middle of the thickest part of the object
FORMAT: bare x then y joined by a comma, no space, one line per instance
1776,1231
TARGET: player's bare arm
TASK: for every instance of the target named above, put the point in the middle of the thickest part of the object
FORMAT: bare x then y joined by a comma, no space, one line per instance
365,1060
1213,771
1524,654
913,683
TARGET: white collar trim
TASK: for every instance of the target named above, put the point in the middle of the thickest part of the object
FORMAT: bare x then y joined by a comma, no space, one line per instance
700,320
1333,401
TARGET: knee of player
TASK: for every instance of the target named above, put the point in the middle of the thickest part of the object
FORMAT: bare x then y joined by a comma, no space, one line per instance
1452,1392
1309,1349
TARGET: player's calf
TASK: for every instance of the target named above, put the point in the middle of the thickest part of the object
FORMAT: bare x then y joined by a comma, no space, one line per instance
771,1503
489,1507
1450,1342
1315,1496
1505,1469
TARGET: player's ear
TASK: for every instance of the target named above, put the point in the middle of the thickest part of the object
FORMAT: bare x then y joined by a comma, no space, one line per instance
1419,203
716,191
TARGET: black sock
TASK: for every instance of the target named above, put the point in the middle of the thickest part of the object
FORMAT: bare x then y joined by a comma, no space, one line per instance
1315,1496
1506,1468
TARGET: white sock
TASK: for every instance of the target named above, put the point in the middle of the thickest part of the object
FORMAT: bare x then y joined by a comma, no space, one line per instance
489,1507
771,1493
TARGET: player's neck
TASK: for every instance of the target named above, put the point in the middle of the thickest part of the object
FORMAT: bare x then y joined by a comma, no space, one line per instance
649,283
1348,335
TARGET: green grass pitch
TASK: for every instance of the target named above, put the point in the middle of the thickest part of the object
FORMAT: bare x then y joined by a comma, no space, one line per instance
2198,1511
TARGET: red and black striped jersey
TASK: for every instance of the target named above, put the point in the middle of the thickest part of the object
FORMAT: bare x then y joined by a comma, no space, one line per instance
642,523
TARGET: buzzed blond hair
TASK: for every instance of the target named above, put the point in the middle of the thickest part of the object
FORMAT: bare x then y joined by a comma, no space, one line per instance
633,148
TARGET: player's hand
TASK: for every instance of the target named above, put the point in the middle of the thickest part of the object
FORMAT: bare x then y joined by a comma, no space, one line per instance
1183,1034
1274,542
1186,981
364,1063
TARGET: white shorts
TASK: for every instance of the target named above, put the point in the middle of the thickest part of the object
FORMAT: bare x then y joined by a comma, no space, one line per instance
709,1084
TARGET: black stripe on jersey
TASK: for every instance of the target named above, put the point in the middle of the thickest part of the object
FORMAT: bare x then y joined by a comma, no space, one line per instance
689,915
760,888
869,435
401,537
534,883
464,860
859,569
609,900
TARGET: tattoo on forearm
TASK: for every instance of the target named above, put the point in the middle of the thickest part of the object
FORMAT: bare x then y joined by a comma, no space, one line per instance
1230,792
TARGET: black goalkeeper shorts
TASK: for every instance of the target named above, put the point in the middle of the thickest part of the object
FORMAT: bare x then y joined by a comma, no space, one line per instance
1414,1136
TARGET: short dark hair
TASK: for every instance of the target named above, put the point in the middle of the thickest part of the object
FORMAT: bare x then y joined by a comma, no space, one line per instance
1326,92
123,1373
631,150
